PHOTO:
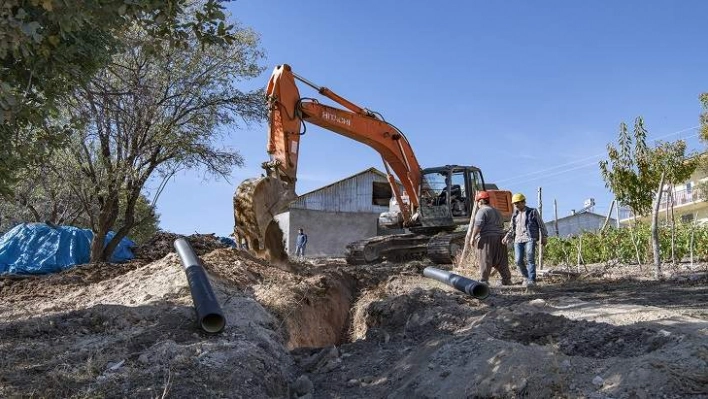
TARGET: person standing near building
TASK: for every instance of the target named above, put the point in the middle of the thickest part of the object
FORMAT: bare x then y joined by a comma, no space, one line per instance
487,235
526,230
300,243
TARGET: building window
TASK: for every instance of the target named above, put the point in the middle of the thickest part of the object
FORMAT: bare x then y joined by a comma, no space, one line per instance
687,218
381,194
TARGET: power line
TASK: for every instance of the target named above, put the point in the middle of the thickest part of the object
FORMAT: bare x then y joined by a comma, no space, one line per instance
548,169
520,177
566,179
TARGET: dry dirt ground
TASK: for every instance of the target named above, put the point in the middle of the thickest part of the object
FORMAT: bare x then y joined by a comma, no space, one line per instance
322,329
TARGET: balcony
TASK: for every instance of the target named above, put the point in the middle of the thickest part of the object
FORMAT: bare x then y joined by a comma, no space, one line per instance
681,198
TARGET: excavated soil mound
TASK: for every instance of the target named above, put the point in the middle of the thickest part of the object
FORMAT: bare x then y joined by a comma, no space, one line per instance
135,335
162,243
20,288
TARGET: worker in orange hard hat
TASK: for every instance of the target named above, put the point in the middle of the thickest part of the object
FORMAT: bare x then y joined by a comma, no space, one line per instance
487,235
526,230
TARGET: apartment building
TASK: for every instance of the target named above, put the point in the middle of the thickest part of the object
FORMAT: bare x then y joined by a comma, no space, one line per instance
689,203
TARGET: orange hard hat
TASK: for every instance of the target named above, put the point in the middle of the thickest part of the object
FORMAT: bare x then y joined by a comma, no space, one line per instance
481,195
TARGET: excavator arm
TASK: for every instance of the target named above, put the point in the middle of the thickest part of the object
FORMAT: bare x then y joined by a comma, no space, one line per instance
288,111
257,201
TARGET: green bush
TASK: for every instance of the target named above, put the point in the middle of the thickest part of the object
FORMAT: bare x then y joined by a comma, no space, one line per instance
626,244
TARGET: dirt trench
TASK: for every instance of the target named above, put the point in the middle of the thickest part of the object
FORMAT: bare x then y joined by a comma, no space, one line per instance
402,335
315,312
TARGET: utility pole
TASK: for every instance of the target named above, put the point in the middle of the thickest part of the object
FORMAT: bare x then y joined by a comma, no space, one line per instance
555,212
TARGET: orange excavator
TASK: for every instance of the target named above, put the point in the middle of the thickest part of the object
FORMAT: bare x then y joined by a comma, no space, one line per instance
427,207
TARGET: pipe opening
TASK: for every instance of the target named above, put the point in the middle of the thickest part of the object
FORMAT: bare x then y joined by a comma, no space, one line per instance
213,323
479,291
470,287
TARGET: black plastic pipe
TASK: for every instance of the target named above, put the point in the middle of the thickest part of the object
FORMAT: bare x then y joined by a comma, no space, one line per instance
468,286
209,315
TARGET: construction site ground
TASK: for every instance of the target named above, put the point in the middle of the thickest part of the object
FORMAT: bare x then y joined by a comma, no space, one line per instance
323,329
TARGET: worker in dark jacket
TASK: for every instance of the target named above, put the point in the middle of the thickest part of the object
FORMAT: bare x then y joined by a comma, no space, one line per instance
526,230
487,235
300,243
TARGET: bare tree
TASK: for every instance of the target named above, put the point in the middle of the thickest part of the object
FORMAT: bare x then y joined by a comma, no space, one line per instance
152,111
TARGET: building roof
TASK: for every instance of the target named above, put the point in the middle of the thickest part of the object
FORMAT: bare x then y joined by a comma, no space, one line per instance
579,215
370,170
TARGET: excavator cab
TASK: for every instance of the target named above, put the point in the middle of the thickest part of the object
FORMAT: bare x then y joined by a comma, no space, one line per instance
447,195
446,200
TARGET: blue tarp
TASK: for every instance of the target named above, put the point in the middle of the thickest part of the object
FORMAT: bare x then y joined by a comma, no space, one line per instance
36,248
227,241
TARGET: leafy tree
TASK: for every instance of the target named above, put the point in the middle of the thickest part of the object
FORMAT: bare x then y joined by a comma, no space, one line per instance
633,173
637,176
628,171
671,160
151,112
49,47
40,196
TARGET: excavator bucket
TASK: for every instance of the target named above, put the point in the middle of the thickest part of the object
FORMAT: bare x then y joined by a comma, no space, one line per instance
256,202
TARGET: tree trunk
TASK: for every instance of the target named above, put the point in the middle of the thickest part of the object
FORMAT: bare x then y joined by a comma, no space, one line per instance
636,247
97,246
555,218
617,213
128,224
655,229
106,218
692,231
673,226
609,215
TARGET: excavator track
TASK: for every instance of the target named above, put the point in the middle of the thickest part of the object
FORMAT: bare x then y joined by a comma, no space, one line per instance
394,248
441,249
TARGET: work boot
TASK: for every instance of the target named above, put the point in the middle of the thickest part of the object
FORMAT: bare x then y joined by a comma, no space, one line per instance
528,283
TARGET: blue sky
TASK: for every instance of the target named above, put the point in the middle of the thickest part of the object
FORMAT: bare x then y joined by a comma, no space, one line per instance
530,92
